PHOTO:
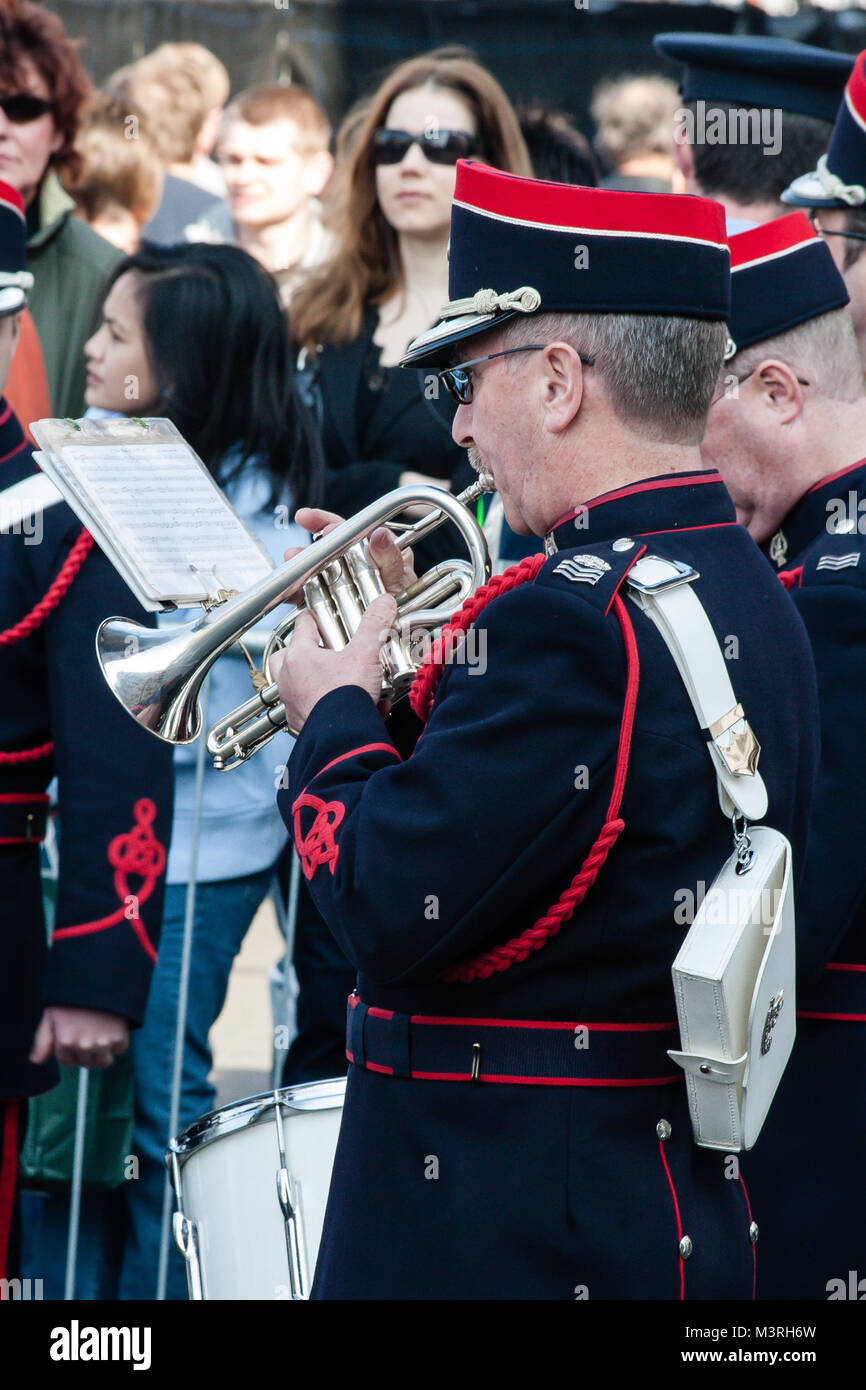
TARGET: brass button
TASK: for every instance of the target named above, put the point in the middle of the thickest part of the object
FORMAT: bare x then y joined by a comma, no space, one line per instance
686,1247
753,1233
663,1130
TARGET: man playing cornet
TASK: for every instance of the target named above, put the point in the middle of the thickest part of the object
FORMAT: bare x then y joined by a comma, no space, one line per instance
513,1125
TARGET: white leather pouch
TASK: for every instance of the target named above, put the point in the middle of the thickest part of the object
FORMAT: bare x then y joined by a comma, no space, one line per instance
734,973
734,986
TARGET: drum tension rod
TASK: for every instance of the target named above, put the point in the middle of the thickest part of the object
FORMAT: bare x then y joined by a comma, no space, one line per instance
475,1074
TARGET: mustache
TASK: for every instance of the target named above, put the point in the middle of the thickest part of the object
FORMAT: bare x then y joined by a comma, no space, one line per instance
475,459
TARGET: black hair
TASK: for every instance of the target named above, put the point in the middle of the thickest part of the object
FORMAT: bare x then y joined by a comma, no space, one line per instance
558,150
218,345
743,172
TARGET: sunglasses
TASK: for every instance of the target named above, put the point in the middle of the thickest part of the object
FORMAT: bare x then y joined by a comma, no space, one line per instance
458,380
21,107
439,146
823,231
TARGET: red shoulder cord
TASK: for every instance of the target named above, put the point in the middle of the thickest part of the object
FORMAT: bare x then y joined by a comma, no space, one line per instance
513,952
34,619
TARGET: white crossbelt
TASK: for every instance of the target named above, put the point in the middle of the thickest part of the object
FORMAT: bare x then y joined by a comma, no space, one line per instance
663,590
25,499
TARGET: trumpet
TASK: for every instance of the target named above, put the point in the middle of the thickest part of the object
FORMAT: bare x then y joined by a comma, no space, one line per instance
157,675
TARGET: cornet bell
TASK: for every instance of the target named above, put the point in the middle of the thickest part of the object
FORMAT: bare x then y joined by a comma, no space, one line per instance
149,673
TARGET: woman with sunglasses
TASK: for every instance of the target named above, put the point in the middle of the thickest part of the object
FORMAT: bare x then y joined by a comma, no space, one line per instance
389,272
43,93
383,427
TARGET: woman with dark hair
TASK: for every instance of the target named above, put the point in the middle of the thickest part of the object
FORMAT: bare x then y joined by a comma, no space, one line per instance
196,333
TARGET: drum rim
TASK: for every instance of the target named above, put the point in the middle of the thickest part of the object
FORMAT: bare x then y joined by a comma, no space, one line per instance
304,1098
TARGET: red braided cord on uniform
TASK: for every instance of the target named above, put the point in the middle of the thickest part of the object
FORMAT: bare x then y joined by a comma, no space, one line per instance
482,966
26,755
430,671
37,615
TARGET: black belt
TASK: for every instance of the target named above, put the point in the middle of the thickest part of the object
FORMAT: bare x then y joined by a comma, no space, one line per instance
512,1051
23,818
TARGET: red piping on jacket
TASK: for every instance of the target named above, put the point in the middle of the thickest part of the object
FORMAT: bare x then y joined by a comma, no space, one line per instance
8,1174
679,1219
526,1080
754,1246
836,1018
634,488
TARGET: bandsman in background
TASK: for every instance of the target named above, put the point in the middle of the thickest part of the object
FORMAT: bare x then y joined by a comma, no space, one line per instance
787,431
513,1126
835,195
755,112
76,1001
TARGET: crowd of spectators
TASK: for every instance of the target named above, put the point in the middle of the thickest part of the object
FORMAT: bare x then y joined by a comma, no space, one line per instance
258,278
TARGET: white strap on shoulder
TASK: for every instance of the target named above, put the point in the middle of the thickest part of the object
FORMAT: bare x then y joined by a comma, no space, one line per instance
25,499
663,590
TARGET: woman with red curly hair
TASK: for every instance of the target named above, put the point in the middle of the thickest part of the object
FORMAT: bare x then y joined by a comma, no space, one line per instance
43,93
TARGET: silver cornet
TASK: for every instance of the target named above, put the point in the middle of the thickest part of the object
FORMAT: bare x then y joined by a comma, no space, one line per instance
157,675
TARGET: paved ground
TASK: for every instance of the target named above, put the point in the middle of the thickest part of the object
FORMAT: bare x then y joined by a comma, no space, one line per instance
242,1037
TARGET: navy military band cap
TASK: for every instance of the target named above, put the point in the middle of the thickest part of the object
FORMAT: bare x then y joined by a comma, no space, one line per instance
840,178
523,246
782,274
758,72
15,279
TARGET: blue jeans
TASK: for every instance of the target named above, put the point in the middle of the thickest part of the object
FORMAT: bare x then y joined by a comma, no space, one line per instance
223,913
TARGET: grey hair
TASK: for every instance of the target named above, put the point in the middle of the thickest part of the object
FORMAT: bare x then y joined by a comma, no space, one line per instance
660,372
824,349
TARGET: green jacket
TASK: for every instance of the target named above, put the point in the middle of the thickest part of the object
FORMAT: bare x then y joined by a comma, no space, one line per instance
70,265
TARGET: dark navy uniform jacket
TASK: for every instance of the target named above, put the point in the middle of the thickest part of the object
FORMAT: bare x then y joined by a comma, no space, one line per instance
114,786
814,1204
445,1188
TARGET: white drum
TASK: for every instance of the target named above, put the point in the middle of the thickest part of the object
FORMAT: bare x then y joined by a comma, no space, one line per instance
252,1182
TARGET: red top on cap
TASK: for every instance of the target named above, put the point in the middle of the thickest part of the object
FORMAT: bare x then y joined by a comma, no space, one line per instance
771,239
855,91
565,207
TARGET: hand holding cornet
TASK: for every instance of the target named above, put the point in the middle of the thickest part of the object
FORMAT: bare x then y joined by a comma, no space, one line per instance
304,672
395,565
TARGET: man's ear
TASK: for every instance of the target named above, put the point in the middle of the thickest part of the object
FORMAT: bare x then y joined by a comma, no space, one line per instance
561,384
779,388
317,172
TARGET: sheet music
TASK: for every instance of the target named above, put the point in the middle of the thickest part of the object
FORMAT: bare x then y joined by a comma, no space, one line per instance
168,516
153,508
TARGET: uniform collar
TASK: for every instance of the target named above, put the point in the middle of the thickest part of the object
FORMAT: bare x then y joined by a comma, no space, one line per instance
670,502
830,506
11,435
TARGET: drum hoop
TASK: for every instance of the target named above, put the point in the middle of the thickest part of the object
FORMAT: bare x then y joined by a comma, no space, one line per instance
241,1114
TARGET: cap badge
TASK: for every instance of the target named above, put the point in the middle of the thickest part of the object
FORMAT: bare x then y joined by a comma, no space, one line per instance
523,301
